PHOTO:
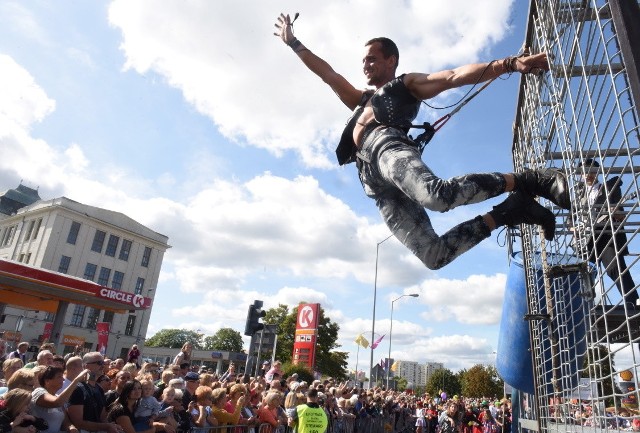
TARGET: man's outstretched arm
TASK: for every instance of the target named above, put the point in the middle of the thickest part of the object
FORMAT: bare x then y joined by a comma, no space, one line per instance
348,94
425,86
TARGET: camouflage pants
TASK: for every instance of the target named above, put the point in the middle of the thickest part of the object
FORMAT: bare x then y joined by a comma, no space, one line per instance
393,174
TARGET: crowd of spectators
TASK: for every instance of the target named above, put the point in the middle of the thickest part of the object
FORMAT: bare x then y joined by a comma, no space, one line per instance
86,393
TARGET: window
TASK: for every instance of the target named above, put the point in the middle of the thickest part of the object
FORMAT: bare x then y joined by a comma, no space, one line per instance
124,250
131,322
36,229
8,236
92,318
72,237
146,257
103,278
78,315
27,234
90,271
27,258
116,283
112,245
64,264
139,286
108,317
98,241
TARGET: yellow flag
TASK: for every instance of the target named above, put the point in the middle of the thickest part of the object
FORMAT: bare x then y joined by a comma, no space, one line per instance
361,341
395,366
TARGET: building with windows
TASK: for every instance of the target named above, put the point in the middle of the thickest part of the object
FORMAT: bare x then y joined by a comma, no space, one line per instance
91,243
416,374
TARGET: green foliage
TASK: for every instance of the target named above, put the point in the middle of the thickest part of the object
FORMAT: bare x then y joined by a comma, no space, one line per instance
481,381
400,383
444,380
303,372
599,365
225,339
328,362
175,338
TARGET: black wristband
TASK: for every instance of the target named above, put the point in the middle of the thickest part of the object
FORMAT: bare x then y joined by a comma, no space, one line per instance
295,44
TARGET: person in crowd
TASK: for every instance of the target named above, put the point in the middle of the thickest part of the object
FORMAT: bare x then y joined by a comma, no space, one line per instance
49,406
488,421
9,366
149,370
200,409
225,417
72,369
207,379
264,369
276,369
236,392
309,416
191,383
44,358
122,411
122,377
20,352
104,382
58,361
149,409
163,383
133,355
230,374
14,412
180,413
447,422
249,415
603,201
268,413
23,379
184,355
131,368
87,405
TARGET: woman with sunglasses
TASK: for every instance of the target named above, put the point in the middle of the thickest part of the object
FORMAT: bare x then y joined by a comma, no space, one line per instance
49,406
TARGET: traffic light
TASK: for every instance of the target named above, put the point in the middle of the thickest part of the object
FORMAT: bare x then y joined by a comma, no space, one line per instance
253,318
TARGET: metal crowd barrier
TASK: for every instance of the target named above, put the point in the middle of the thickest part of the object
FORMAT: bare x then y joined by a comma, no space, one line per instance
385,424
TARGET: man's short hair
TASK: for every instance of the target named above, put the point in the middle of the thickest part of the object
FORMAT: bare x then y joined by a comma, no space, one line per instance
23,344
387,46
312,393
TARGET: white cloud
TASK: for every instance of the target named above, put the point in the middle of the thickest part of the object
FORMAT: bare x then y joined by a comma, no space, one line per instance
475,300
223,57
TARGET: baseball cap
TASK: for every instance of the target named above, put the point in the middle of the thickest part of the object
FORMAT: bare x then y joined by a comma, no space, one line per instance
191,376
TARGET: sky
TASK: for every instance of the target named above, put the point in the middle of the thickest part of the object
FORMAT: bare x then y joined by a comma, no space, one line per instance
193,119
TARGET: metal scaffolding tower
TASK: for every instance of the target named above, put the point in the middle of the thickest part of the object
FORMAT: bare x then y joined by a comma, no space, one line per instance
585,336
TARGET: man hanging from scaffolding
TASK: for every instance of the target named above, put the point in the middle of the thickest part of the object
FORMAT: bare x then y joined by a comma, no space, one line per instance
389,162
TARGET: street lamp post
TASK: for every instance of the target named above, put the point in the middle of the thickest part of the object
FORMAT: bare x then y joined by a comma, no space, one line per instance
373,319
413,295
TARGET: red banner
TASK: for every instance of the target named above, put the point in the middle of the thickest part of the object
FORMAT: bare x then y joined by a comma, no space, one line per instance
103,336
304,344
46,334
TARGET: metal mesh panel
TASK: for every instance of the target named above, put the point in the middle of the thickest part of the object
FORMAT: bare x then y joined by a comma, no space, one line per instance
585,336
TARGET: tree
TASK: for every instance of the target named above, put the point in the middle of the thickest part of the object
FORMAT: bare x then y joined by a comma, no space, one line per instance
481,381
443,380
175,338
599,365
328,362
225,339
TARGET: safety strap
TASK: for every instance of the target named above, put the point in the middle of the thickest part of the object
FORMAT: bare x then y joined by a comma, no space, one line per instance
430,129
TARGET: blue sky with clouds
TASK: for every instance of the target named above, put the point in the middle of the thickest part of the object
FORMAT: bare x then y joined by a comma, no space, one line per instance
193,119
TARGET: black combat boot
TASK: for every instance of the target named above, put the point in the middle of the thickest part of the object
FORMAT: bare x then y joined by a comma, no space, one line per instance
549,183
521,208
